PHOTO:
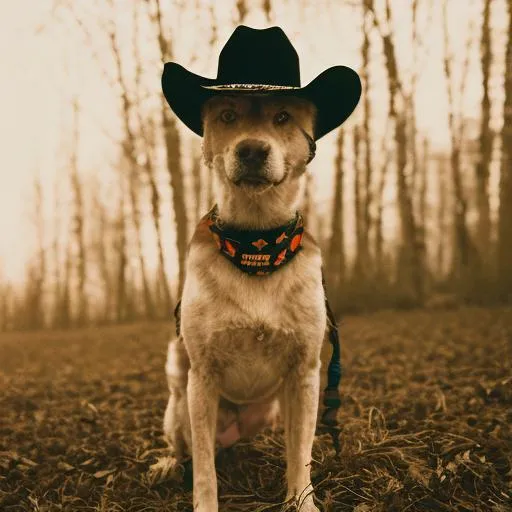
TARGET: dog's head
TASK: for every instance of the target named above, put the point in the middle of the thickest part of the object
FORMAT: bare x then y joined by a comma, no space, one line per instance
255,144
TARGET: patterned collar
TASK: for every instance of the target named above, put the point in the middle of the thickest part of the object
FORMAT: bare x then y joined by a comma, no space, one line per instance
257,252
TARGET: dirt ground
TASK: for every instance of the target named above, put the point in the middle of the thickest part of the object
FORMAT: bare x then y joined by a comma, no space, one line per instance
426,421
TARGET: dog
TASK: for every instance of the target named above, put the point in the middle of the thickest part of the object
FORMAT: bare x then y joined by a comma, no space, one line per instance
249,349
253,315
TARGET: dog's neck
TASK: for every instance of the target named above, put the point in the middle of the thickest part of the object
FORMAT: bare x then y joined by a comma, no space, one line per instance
268,210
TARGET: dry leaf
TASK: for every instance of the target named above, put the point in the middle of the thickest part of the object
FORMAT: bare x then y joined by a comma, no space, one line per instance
103,473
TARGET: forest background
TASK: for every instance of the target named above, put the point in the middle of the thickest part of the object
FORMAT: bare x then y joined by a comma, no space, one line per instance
101,186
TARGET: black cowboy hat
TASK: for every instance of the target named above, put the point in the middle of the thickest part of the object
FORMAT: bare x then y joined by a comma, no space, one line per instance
263,62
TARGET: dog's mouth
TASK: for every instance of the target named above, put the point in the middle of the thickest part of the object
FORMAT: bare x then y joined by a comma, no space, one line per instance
253,181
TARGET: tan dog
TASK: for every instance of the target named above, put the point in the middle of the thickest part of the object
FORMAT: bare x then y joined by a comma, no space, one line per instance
249,344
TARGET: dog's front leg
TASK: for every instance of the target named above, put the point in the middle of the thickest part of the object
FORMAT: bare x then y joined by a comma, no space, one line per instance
203,402
299,408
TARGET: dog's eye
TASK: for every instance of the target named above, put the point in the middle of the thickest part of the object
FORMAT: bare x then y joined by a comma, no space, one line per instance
228,116
281,117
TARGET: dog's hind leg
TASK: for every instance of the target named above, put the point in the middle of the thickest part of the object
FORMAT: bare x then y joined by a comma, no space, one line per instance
176,418
299,406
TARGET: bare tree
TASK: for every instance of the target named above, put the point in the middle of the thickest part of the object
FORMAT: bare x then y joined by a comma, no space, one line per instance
34,314
366,203
121,253
241,8
100,245
379,207
422,216
418,168
172,146
410,251
463,251
336,254
485,140
64,301
359,256
442,192
267,9
78,224
147,135
56,256
163,279
505,209
130,151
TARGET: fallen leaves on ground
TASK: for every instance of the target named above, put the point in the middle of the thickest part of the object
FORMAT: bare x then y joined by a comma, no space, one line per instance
425,421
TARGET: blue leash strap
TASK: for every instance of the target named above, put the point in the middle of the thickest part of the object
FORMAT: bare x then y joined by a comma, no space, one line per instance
332,400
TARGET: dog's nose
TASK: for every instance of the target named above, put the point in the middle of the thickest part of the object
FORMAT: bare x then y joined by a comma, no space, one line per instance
252,153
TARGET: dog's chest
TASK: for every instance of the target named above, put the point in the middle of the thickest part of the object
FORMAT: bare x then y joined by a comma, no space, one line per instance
249,363
249,334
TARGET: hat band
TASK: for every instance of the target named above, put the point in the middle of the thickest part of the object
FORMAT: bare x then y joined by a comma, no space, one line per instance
250,87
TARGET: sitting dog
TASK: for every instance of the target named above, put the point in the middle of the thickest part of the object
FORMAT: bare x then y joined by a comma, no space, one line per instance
252,314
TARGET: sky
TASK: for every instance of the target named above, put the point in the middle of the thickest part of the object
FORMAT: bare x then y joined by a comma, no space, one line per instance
46,62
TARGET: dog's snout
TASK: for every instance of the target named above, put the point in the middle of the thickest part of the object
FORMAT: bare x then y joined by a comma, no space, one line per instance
252,153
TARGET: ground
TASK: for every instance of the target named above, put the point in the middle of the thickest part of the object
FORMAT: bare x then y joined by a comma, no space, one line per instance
425,421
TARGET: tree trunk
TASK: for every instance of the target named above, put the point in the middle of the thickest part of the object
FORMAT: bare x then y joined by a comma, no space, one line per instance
267,9
441,219
368,171
121,302
462,249
155,209
172,145
463,254
78,228
57,276
505,208
336,255
358,261
379,238
485,142
34,312
410,248
422,210
65,299
101,247
241,8
149,308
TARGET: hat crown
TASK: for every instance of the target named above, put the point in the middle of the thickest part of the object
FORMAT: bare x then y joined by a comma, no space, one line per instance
258,56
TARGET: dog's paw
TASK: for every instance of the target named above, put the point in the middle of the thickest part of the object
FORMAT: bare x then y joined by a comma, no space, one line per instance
305,505
308,506
165,468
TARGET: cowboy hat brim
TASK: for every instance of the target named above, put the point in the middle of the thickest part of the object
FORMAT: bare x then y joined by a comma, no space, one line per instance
335,94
